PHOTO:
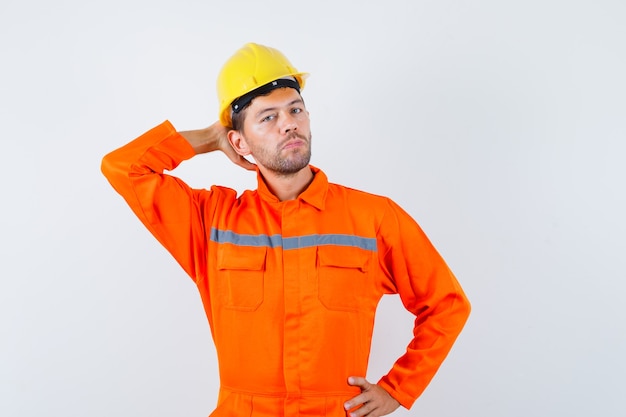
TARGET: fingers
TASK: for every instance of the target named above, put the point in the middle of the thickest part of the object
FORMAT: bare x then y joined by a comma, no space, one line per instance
364,400
243,162
238,159
356,401
366,410
373,401
360,382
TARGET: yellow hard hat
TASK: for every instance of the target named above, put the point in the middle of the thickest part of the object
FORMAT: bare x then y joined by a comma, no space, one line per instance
251,67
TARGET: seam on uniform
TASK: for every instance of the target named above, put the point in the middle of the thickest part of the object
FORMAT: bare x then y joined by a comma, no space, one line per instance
290,395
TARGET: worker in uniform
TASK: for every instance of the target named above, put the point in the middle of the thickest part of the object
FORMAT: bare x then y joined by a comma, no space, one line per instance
290,274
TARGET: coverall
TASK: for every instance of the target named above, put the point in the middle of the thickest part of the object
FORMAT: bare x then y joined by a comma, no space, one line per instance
290,288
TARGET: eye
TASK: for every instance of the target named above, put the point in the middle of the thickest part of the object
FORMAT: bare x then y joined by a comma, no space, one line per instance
296,110
267,118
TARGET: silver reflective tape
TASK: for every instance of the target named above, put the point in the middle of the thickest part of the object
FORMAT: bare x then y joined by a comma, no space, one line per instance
295,242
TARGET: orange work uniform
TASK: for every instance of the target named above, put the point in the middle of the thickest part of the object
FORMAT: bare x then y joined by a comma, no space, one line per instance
290,288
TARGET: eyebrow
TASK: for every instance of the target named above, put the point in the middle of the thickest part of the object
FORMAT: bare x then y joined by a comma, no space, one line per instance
291,103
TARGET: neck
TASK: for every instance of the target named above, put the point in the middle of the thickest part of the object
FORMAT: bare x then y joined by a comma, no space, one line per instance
287,186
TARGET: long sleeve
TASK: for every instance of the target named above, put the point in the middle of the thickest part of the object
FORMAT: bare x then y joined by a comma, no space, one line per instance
429,290
165,205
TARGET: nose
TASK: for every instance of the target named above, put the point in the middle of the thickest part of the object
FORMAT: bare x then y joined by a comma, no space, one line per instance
289,123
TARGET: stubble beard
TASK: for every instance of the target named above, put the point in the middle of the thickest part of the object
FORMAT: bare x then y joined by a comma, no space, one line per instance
289,164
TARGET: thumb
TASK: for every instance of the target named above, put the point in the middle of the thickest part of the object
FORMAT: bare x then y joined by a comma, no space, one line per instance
360,382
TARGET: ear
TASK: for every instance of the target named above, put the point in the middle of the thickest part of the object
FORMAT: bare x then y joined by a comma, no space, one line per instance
238,142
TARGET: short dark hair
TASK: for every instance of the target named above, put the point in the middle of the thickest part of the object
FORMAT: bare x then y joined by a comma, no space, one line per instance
238,118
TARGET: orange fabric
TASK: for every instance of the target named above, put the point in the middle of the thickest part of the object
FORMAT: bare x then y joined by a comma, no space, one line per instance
290,288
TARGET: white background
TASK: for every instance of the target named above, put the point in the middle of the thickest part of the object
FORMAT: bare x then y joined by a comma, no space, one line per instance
499,125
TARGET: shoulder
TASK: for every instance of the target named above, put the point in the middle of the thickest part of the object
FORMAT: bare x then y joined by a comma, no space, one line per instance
378,206
225,199
357,196
217,192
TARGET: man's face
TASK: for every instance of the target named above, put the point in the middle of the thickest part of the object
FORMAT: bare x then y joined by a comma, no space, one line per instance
277,130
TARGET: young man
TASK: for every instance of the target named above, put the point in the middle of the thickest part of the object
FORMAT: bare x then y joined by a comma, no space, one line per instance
290,274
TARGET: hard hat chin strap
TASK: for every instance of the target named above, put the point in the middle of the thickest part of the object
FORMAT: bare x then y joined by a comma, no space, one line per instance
241,102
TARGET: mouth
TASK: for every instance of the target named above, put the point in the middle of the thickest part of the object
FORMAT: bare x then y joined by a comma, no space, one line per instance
294,141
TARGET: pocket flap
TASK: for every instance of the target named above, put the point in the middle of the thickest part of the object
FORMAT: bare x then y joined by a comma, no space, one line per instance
343,257
247,258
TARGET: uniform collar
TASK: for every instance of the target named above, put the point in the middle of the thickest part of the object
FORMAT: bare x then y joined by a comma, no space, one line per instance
314,194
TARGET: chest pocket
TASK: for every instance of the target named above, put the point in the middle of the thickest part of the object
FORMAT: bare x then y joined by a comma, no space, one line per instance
343,280
241,272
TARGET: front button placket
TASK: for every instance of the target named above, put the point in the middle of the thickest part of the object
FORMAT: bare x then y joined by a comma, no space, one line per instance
293,309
